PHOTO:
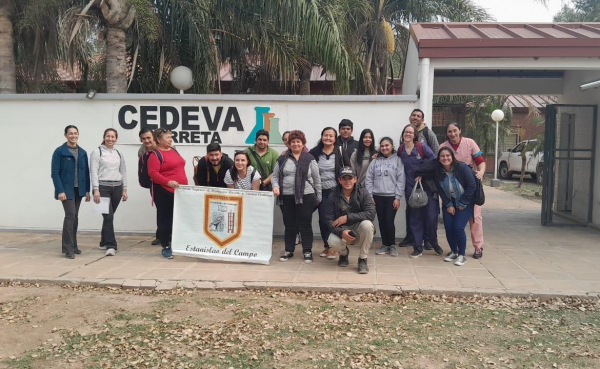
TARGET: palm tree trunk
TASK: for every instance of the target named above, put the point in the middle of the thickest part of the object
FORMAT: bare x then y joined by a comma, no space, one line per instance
8,75
116,64
305,72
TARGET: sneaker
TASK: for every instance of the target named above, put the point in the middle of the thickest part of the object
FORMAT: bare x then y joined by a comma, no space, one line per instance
102,247
438,249
343,262
451,257
460,260
70,256
331,255
406,243
155,242
167,253
298,239
478,255
393,251
111,252
427,245
308,257
286,256
363,268
415,254
383,250
324,252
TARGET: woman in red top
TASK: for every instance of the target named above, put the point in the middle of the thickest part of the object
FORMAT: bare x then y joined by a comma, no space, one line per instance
166,169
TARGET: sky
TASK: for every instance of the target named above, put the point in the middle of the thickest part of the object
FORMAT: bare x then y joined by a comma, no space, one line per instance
521,10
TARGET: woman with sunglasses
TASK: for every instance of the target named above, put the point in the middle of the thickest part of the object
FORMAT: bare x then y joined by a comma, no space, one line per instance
166,169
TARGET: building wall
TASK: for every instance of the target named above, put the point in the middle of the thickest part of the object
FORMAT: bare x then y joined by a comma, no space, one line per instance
34,124
573,95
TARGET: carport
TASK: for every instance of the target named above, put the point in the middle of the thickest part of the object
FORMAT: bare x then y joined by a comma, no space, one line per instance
560,59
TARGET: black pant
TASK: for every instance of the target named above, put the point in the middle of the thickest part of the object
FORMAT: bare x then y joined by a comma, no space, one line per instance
115,194
322,224
298,218
386,215
156,235
164,201
409,235
69,233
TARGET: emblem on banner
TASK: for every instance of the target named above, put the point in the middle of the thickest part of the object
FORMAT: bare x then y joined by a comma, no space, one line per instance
223,218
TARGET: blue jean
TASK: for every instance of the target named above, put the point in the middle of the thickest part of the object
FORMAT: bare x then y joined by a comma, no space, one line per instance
455,228
424,221
323,227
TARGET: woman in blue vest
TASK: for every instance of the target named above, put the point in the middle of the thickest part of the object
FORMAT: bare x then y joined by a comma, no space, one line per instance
71,178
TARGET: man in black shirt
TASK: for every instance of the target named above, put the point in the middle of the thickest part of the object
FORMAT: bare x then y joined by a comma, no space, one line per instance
212,168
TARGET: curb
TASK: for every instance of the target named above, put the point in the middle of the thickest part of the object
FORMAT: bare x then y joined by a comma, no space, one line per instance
168,285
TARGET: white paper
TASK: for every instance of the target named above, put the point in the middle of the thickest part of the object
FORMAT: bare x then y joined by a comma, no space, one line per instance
102,207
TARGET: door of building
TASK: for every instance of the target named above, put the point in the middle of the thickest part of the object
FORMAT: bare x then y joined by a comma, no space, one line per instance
569,158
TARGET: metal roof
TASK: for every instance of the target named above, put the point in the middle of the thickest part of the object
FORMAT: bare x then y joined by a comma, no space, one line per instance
525,101
506,40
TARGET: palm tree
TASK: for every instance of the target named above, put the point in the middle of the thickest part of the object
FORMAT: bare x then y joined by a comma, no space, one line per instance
579,11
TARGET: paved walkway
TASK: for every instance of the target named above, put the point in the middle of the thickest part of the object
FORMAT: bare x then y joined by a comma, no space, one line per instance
520,257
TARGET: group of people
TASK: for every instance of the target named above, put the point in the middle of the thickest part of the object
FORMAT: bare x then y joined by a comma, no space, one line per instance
347,182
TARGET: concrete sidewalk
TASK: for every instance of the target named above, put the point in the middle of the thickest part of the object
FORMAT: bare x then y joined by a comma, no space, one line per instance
520,257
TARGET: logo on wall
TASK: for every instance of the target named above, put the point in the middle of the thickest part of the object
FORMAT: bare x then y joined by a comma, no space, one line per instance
267,121
223,218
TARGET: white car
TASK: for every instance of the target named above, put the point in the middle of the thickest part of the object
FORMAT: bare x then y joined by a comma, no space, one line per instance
510,162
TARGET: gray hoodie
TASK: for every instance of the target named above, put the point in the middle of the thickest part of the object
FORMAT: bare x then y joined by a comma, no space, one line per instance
385,176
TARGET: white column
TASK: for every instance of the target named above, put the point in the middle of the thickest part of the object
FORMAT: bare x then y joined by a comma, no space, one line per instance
426,89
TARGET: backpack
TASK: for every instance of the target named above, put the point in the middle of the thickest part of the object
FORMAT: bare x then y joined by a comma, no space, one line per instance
419,149
143,176
100,150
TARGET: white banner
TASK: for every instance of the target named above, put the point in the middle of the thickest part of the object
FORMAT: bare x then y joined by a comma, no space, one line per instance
223,224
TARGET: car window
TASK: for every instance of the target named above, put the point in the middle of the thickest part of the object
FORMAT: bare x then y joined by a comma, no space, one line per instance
519,147
531,145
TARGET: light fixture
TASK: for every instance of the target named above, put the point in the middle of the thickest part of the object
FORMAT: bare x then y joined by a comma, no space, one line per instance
90,95
497,116
590,85
182,78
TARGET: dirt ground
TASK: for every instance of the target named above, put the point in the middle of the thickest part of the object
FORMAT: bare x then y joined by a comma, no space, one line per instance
92,327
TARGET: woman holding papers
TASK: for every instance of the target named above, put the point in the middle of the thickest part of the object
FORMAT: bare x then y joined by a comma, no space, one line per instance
109,180
71,178
166,169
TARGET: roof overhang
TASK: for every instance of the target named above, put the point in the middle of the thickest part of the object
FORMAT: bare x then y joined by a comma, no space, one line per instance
506,40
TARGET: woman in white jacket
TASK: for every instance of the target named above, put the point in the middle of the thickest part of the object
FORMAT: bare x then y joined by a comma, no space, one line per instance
385,183
109,179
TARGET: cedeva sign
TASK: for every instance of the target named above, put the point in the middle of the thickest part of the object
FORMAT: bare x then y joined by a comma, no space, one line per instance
193,124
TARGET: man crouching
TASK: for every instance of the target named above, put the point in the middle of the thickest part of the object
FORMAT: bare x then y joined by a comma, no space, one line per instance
350,213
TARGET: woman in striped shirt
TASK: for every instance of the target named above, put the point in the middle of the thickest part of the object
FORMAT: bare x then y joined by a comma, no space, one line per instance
242,176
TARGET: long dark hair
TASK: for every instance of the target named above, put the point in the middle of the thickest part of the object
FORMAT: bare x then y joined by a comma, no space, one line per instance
320,144
452,124
455,163
234,171
360,152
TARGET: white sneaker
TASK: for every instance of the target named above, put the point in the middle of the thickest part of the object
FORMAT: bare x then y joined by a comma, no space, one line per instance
461,260
451,257
110,252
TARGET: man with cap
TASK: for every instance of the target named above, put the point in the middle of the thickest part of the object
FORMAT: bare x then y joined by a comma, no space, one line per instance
350,214
345,139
